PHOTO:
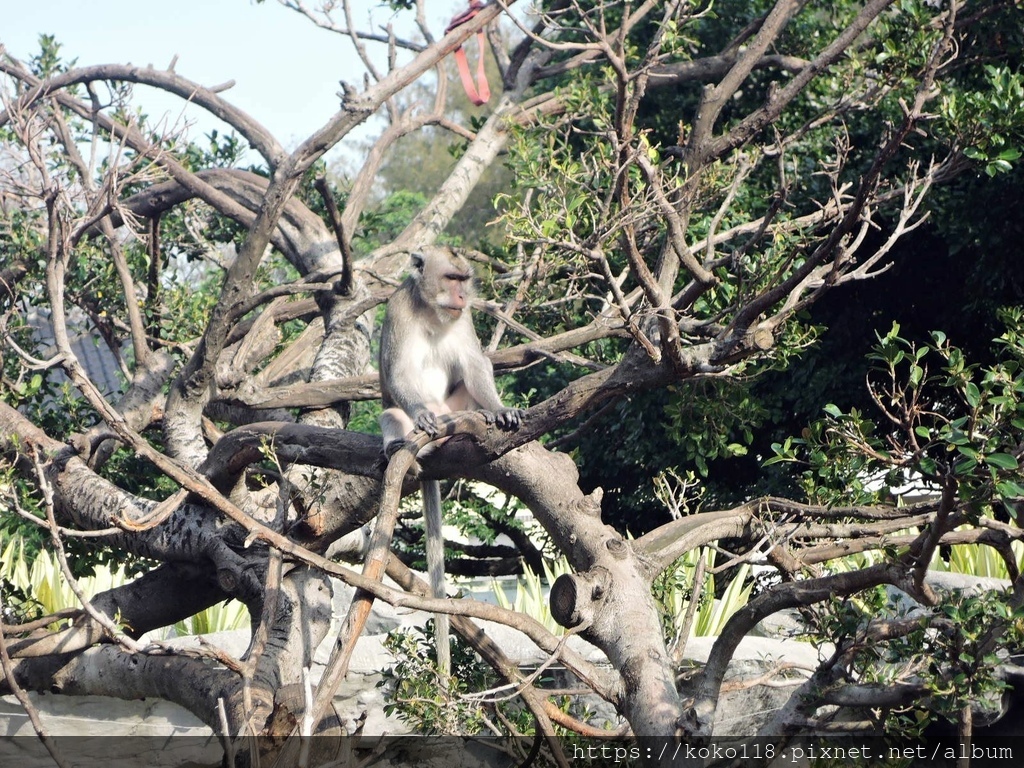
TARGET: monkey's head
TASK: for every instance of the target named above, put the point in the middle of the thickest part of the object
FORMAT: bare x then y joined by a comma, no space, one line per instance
445,282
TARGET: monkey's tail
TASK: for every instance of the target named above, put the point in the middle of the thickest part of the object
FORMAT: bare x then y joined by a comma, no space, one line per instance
431,491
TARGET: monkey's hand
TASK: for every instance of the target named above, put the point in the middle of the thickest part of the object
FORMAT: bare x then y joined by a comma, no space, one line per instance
426,421
506,418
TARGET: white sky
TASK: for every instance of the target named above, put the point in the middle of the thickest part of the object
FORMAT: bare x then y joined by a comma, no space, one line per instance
286,70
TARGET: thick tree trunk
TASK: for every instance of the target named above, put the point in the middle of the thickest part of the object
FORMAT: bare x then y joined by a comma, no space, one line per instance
608,600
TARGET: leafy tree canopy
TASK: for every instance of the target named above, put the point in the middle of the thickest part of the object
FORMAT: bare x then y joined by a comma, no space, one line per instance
704,218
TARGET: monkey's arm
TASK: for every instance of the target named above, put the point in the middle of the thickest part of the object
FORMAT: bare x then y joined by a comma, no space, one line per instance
479,382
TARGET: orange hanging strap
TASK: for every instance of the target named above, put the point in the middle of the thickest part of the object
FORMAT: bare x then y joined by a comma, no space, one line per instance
477,94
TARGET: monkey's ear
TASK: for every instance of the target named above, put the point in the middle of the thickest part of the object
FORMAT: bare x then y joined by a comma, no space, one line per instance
417,260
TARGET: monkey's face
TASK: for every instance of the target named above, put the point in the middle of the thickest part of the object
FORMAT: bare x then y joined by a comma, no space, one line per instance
453,295
443,281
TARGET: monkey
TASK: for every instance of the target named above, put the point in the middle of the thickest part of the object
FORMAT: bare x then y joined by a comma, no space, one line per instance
431,364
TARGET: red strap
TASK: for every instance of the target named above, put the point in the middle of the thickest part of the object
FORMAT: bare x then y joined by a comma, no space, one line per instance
475,6
478,95
484,93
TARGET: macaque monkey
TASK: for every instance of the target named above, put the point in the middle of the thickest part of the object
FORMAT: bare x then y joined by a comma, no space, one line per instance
432,364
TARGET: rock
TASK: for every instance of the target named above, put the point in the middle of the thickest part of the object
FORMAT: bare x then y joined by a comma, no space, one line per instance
382,619
944,582
144,728
784,624
742,707
756,685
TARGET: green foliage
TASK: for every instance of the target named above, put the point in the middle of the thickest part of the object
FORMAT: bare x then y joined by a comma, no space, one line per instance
36,586
568,165
953,654
976,560
187,300
20,236
949,419
220,151
138,476
989,122
56,407
363,417
48,62
222,617
697,426
964,657
675,591
712,419
15,494
946,422
531,593
383,224
422,161
418,695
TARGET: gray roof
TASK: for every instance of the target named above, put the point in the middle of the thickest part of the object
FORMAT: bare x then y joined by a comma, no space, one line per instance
99,362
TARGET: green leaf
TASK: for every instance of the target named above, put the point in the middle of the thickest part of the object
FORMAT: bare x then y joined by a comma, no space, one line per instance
969,452
1001,460
702,465
972,394
965,467
1009,489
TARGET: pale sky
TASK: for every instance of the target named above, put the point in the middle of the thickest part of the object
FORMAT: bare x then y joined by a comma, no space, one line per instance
286,70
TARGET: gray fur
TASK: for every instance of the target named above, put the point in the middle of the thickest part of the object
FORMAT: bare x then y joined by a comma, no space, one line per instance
431,363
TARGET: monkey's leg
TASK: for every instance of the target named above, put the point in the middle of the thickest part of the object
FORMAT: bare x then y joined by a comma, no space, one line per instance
394,426
431,491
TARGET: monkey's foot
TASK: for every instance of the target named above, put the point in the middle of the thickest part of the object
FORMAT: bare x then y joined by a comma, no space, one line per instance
507,419
426,421
392,447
